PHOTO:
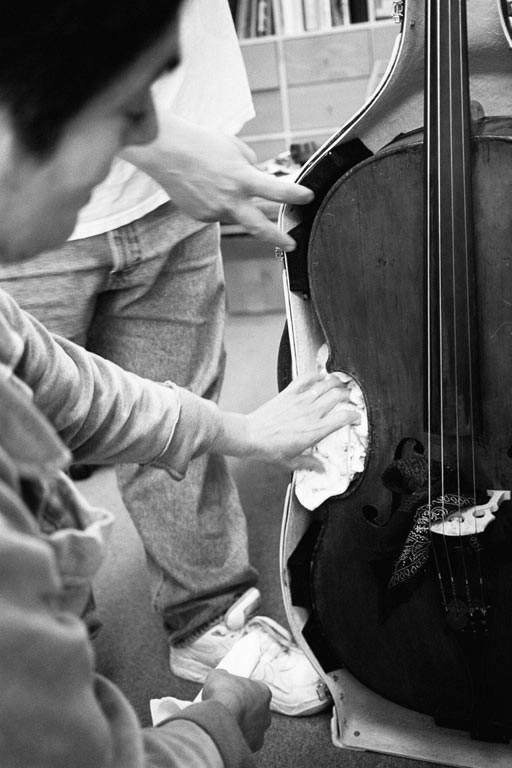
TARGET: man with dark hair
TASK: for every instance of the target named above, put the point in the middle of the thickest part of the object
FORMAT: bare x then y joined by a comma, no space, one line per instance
141,282
56,399
52,63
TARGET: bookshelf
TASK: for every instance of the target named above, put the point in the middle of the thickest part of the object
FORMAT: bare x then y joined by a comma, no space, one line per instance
261,18
311,65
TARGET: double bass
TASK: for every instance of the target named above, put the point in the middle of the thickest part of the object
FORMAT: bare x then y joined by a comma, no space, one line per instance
404,270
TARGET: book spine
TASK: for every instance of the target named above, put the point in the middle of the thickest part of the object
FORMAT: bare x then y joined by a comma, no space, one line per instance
358,11
339,13
264,21
311,15
242,19
253,21
293,17
383,9
324,14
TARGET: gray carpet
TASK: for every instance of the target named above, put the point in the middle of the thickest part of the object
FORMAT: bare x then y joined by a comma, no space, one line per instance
131,648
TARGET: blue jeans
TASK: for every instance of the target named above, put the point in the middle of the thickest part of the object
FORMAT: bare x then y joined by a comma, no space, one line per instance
150,297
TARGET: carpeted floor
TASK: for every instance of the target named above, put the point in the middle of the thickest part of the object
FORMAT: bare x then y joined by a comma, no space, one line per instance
131,648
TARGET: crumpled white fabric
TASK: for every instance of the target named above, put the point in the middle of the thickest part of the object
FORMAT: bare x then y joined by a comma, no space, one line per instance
343,453
240,660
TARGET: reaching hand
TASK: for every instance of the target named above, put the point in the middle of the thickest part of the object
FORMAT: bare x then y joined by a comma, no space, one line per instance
211,176
247,700
309,409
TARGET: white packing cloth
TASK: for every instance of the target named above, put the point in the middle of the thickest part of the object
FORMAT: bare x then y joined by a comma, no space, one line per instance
240,660
342,453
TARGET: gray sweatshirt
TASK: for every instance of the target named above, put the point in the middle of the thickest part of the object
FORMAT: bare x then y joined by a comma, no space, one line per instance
55,711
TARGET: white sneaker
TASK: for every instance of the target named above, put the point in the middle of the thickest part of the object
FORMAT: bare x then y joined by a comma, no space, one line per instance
194,657
271,657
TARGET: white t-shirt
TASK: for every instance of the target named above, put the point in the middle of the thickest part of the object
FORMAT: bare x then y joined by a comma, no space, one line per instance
209,89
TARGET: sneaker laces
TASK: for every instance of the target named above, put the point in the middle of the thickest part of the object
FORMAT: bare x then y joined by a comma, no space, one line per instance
274,642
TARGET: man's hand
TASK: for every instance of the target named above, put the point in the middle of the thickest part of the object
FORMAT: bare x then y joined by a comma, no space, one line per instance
211,176
309,409
247,700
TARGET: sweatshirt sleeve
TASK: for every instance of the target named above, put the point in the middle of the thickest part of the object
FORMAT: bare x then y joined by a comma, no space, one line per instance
55,712
102,413
198,726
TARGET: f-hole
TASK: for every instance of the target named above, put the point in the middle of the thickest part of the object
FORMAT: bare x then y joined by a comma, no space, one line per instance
407,448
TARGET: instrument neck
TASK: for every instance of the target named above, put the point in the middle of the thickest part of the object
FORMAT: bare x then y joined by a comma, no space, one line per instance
450,265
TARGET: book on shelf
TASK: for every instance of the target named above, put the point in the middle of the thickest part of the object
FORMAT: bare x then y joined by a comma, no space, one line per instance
292,16
324,14
253,18
383,9
257,18
340,12
242,18
358,10
313,15
264,18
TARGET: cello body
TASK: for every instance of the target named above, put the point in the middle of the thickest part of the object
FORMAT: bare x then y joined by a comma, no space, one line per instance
357,282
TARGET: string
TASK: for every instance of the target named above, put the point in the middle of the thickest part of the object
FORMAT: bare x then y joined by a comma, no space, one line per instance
428,238
464,87
455,69
465,139
439,200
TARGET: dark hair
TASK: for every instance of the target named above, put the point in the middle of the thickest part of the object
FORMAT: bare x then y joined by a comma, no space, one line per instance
56,56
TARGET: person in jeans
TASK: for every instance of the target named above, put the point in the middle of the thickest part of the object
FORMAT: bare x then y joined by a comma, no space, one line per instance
141,283
58,401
